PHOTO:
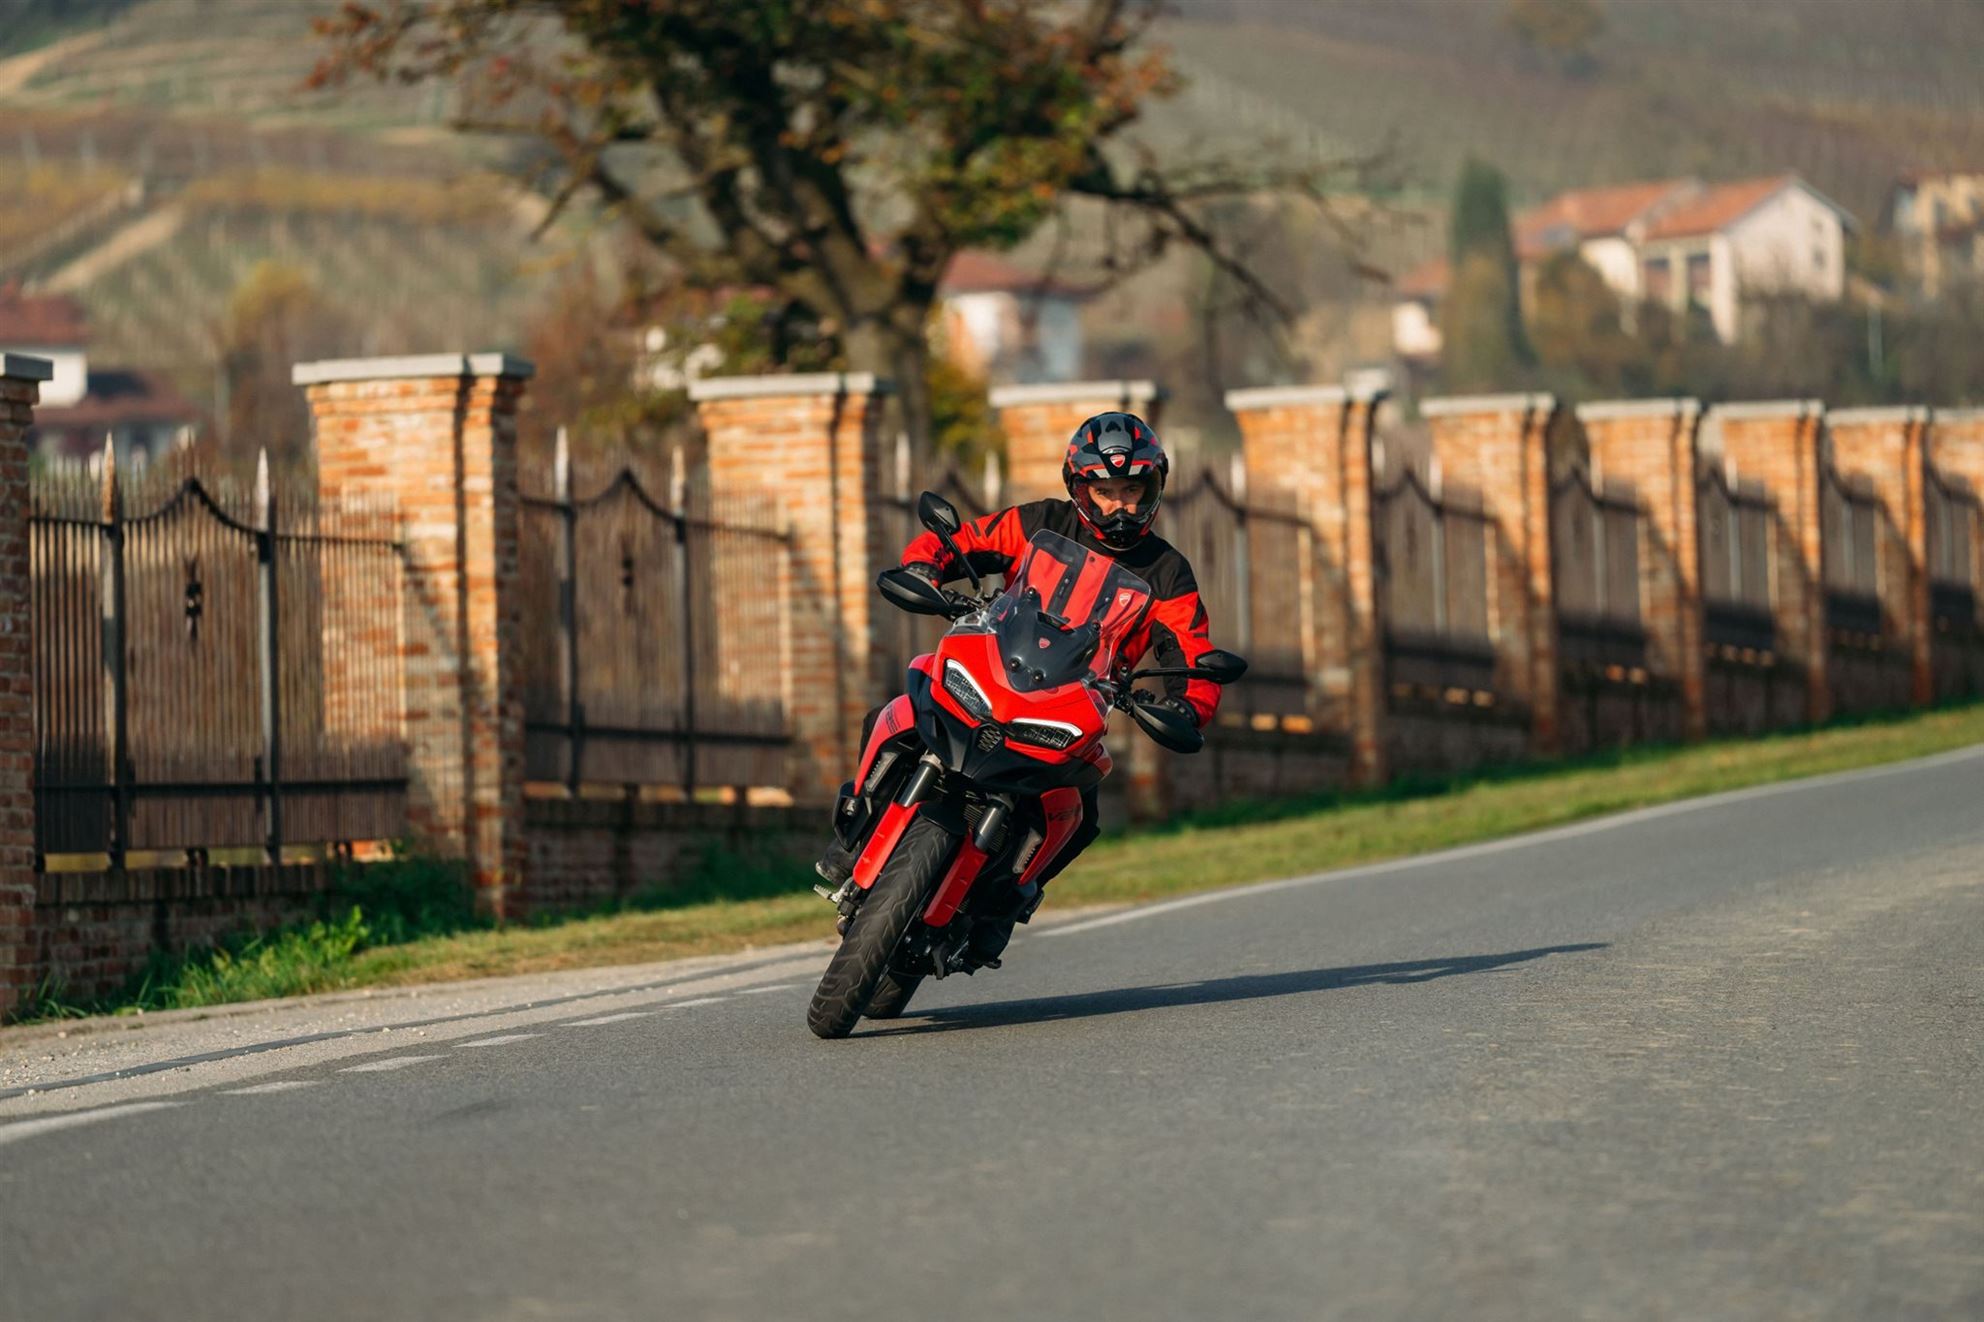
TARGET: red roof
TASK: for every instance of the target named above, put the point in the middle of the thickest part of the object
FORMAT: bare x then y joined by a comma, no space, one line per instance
1718,207
1587,213
30,321
983,273
116,397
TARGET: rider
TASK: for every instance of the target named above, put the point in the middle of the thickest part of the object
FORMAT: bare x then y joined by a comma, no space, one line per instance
1115,472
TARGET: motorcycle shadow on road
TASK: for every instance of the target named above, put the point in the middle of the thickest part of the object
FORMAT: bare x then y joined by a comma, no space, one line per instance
1213,991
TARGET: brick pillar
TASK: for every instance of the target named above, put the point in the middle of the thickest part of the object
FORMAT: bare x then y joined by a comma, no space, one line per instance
809,446
1776,442
1496,445
1038,420
438,432
1886,446
1313,443
1651,444
20,381
1955,445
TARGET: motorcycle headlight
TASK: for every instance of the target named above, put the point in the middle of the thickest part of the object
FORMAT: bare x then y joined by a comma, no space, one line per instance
1042,734
960,685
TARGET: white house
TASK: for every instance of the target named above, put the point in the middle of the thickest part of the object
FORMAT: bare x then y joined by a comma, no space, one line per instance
1671,241
1938,217
81,405
1754,237
1009,325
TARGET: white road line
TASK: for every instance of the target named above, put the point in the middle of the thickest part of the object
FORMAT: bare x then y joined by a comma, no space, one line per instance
502,1041
47,1124
700,1000
280,1085
777,986
1574,830
610,1019
380,1066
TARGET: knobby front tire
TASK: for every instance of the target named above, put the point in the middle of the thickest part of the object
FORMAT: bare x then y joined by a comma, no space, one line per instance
856,971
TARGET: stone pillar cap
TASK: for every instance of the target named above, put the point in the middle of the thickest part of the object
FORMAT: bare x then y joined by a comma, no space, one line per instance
1960,415
1274,397
1534,402
771,385
1125,393
24,367
409,366
1770,408
1903,413
1607,409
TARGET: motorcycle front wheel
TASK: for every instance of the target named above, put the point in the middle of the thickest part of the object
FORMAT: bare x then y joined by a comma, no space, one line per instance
856,972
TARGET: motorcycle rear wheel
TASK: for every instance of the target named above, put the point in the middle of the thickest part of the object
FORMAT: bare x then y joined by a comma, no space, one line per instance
856,971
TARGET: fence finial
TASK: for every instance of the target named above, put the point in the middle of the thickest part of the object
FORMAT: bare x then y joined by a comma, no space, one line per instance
678,480
902,462
1435,478
113,498
264,498
995,481
1236,476
561,468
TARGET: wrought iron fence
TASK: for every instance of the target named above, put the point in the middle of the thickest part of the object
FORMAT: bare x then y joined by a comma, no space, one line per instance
1849,514
221,669
1955,532
655,646
1733,532
1432,556
1595,560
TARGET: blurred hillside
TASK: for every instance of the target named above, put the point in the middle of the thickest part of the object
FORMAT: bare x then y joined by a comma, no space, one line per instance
165,148
1847,94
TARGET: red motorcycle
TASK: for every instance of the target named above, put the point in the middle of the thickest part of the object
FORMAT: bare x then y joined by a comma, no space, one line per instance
971,782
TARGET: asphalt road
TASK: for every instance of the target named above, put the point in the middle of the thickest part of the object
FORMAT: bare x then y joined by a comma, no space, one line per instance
1714,1061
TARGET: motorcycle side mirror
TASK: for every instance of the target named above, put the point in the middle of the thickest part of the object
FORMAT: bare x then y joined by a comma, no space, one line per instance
1221,667
911,592
1166,727
938,514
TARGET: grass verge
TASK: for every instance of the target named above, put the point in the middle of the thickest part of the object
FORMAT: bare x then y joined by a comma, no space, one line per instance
408,923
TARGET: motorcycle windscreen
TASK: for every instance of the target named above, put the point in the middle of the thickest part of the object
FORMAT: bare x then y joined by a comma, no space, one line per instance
1066,613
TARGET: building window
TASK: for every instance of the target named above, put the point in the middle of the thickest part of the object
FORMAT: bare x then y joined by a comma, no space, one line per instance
1698,278
1658,277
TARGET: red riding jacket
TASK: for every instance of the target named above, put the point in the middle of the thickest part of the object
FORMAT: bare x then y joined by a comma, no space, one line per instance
1175,624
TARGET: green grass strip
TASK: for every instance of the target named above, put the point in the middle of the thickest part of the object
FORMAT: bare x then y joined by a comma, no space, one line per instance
734,902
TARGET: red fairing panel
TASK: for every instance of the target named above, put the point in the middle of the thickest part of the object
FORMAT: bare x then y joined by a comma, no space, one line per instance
956,884
895,718
1063,808
881,844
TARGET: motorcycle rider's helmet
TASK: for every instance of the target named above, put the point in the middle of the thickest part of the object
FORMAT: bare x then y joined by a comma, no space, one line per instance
1116,445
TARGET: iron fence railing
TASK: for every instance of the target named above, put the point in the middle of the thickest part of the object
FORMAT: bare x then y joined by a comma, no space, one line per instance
1733,523
1595,563
1432,554
215,668
655,648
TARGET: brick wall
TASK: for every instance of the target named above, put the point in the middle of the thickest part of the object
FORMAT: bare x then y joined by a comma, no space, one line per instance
439,433
20,380
590,851
1651,445
1496,445
810,448
96,931
1313,444
1776,442
1885,448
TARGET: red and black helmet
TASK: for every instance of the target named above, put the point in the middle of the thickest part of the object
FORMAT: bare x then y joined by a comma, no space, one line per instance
1116,445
